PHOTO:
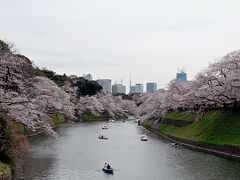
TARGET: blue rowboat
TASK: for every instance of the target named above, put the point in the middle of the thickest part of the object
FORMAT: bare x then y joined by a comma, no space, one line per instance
108,171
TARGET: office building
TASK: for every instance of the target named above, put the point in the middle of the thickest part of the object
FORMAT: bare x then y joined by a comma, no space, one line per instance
132,89
118,88
138,88
106,84
151,87
182,75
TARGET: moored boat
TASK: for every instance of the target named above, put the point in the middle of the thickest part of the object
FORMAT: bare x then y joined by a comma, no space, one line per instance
175,144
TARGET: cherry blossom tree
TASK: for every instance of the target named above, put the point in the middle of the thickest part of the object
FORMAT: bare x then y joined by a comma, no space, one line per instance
216,87
101,102
31,99
28,99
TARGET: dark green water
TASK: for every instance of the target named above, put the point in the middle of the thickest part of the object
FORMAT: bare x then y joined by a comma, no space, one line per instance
78,155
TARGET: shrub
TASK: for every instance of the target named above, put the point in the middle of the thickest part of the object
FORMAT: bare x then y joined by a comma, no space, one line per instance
86,87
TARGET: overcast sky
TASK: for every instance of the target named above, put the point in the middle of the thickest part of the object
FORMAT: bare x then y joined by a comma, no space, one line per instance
150,39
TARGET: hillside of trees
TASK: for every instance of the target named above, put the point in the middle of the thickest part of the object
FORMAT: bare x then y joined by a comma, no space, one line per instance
31,95
217,87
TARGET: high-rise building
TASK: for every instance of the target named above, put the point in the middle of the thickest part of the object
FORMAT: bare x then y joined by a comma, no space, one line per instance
132,89
138,88
118,88
151,87
87,77
182,75
106,84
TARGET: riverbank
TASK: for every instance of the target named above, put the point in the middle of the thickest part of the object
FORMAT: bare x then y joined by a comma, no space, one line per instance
19,134
215,132
104,116
56,119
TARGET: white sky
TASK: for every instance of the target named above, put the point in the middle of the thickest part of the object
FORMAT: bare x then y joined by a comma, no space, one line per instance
150,39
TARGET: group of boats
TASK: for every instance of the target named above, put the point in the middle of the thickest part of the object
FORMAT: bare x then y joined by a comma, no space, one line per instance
107,168
103,137
143,137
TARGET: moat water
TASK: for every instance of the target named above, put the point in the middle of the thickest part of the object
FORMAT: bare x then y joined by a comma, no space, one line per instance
79,155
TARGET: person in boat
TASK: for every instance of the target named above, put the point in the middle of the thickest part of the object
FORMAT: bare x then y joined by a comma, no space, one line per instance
100,136
108,166
105,165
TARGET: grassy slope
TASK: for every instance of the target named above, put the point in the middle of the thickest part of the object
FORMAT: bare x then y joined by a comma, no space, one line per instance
180,115
4,169
216,127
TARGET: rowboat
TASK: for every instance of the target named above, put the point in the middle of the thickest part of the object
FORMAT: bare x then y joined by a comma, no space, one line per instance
104,127
102,137
144,137
108,171
111,120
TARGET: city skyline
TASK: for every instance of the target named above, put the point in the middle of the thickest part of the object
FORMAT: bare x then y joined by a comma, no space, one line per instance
127,84
115,88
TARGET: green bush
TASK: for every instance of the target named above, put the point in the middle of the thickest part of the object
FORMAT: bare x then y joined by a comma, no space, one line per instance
86,87
58,79
57,118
